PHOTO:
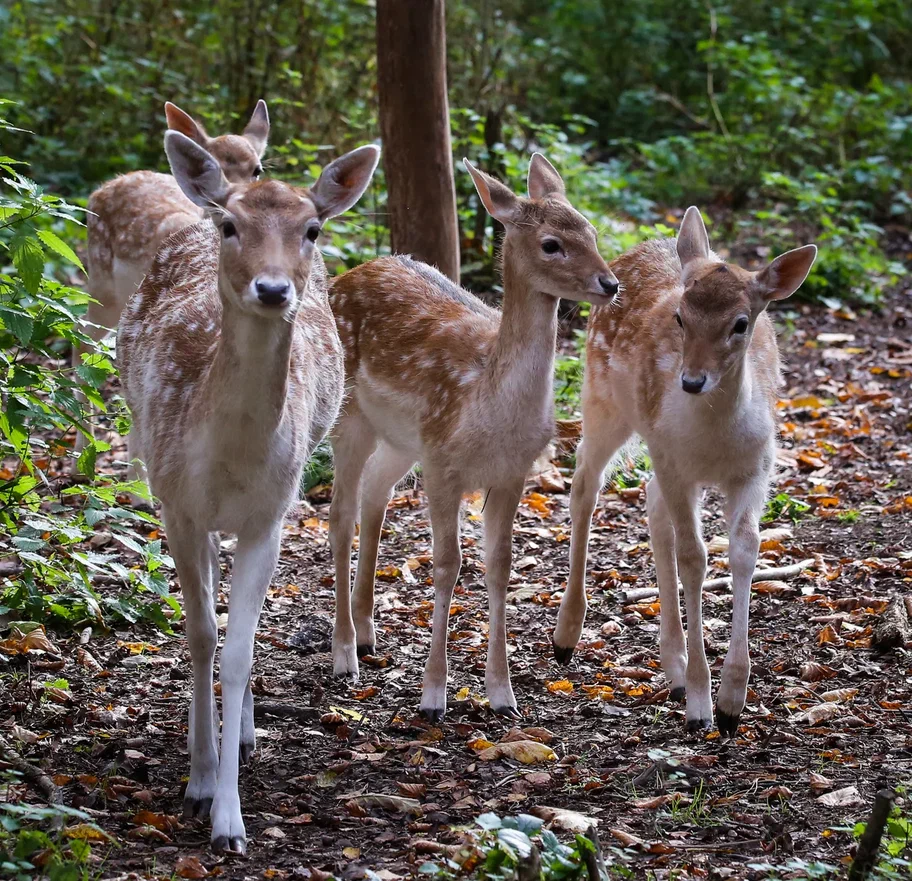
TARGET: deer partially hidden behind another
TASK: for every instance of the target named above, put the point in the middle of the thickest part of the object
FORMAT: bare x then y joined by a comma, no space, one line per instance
689,362
130,216
435,376
232,368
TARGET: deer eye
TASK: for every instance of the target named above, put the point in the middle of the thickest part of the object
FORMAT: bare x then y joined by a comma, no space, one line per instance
678,319
551,246
228,229
740,326
313,233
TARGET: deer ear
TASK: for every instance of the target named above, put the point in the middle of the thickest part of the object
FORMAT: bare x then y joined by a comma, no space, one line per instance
257,131
344,180
184,123
196,171
498,199
785,274
544,180
693,242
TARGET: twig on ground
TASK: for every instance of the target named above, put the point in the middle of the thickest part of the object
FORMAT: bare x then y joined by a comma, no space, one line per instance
31,773
868,847
285,711
893,628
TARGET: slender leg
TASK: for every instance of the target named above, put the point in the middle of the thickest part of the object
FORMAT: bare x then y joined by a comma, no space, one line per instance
745,504
254,565
384,470
444,499
499,511
189,546
671,636
353,442
605,437
683,505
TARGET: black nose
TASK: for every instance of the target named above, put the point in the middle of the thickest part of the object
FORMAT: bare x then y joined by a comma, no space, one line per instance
694,386
271,292
609,284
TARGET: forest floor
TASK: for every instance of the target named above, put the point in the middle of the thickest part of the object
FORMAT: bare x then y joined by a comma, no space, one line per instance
828,720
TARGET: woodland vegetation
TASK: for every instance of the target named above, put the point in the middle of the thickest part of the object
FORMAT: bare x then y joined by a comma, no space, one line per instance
785,122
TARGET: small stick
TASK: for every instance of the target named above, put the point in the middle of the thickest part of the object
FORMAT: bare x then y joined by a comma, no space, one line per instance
285,711
32,773
644,593
595,864
868,847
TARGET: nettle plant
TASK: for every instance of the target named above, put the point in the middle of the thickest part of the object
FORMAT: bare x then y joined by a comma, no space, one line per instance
46,518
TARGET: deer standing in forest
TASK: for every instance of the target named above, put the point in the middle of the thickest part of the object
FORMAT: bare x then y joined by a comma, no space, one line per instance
435,376
688,361
232,369
130,216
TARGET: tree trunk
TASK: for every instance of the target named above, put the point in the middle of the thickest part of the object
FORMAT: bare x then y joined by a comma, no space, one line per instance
415,127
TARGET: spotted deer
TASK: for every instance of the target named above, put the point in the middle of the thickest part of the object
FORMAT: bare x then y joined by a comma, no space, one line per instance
232,368
129,218
688,360
435,376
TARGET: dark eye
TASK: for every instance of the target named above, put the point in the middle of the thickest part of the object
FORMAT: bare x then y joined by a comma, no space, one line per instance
228,229
740,326
257,171
678,319
313,233
551,246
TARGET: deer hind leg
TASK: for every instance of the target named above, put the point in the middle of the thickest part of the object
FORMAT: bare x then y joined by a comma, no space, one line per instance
603,438
499,511
672,648
353,442
444,499
189,547
745,505
384,470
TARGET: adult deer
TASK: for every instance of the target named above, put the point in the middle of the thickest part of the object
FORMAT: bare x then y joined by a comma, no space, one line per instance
435,376
130,216
689,362
232,368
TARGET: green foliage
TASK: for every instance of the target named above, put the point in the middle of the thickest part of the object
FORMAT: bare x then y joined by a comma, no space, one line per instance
784,507
42,522
896,844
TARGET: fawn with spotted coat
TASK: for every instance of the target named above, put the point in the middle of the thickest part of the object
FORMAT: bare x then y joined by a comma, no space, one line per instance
688,360
129,218
435,376
232,368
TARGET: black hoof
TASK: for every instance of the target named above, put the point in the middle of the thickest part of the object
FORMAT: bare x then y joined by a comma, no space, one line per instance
698,726
245,752
728,724
224,844
507,711
563,655
678,694
197,807
364,650
433,716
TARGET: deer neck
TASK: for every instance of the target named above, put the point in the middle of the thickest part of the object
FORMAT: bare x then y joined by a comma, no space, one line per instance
522,362
248,384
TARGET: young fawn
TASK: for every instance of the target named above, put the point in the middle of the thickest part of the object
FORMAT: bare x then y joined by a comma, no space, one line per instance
129,218
688,361
232,368
435,376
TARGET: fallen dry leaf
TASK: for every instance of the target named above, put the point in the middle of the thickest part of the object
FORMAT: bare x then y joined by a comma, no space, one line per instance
841,798
529,752
388,803
820,713
190,867
561,818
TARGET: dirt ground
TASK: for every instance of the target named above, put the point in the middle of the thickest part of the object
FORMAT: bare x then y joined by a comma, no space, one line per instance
116,743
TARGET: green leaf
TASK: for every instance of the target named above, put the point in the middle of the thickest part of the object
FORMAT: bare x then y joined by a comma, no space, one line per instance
86,461
19,323
28,258
58,246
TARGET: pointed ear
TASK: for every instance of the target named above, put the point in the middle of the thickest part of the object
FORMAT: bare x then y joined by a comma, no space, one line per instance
785,274
257,131
344,180
693,242
196,171
184,123
544,180
498,199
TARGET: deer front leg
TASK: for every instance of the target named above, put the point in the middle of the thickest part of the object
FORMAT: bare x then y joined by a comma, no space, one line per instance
443,499
254,564
743,514
672,649
499,511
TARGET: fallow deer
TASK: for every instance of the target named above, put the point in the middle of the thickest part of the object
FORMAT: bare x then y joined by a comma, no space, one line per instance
688,361
435,376
232,369
130,216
